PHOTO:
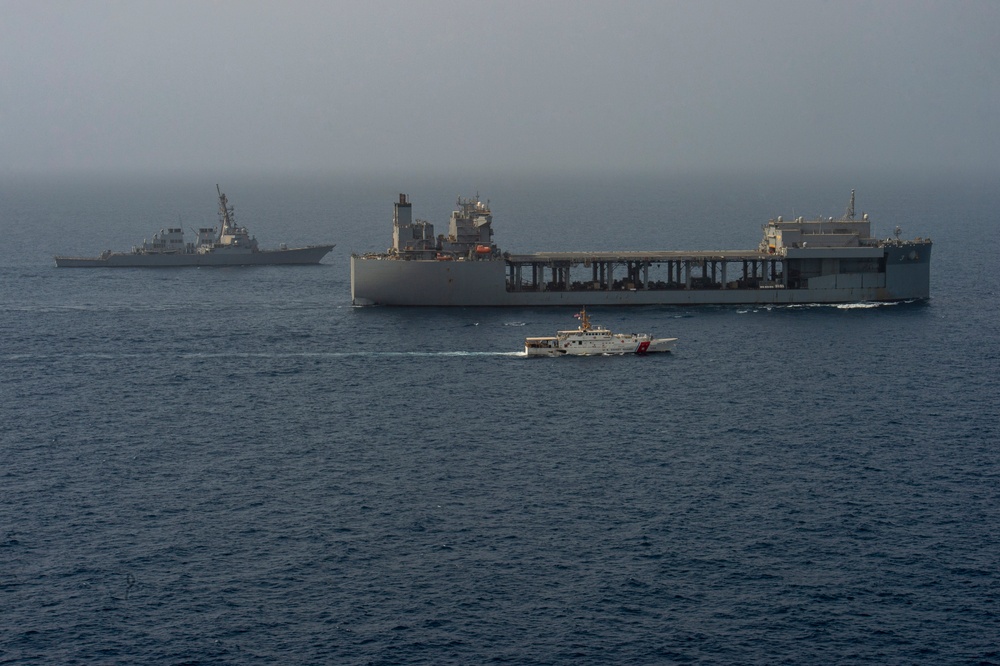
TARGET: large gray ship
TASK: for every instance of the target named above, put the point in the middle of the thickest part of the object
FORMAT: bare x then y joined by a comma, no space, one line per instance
228,245
798,261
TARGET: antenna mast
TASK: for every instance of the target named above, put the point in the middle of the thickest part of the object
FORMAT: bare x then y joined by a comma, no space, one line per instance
227,216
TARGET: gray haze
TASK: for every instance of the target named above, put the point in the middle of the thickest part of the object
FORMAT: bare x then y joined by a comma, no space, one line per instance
543,85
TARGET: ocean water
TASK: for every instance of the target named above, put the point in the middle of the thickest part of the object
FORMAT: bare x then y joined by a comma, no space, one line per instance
235,466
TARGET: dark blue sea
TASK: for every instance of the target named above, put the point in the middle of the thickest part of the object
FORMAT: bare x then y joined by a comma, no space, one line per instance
236,466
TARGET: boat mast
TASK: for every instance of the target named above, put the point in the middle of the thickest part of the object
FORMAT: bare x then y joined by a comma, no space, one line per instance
227,216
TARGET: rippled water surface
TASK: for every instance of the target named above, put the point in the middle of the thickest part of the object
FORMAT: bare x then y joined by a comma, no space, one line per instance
236,466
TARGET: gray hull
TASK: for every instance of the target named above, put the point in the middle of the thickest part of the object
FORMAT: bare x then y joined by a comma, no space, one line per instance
292,256
903,274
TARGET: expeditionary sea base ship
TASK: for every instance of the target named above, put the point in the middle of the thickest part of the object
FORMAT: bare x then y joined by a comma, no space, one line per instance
798,261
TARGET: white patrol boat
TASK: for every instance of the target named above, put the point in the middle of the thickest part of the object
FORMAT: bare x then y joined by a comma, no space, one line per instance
594,340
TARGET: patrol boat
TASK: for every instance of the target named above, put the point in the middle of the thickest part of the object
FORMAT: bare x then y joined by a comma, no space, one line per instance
229,245
823,260
588,340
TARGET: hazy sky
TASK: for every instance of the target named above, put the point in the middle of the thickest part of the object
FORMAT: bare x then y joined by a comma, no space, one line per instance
512,84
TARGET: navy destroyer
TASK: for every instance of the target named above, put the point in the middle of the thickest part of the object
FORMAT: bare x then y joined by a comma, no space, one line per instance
228,245
798,261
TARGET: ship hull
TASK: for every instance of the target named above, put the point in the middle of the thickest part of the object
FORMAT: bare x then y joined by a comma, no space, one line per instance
292,256
904,276
549,348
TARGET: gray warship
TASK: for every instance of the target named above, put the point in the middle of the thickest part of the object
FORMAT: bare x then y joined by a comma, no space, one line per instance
798,261
228,245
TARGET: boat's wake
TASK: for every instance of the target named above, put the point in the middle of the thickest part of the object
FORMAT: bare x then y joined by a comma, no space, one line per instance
103,356
350,354
861,305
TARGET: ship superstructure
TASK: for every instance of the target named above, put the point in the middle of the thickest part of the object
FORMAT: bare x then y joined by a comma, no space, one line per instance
470,233
228,245
798,261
